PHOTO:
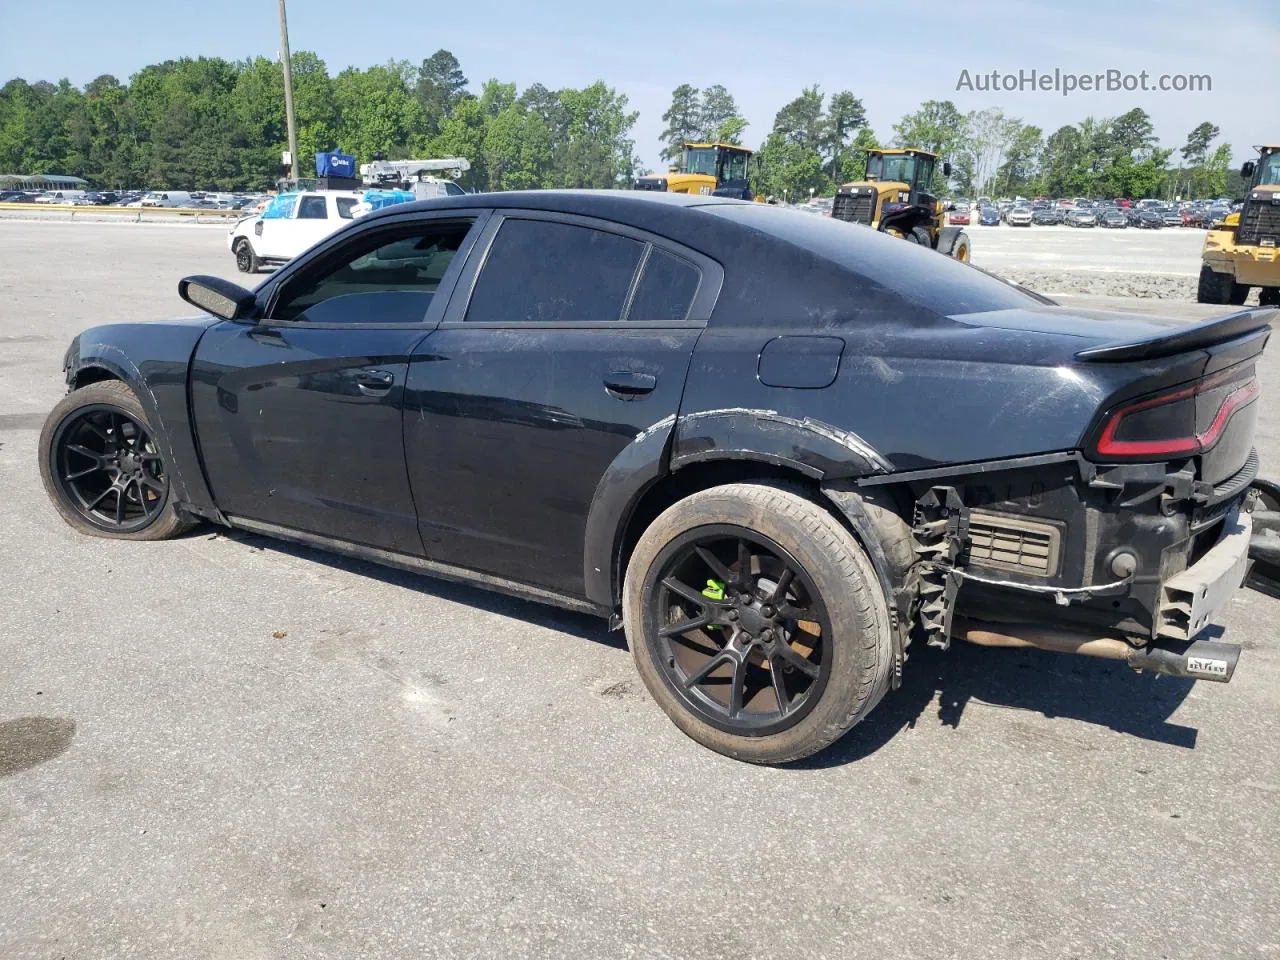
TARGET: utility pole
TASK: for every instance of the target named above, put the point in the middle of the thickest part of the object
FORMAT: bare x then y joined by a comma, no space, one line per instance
288,94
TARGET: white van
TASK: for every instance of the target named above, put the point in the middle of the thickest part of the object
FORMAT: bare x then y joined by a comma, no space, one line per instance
167,198
290,224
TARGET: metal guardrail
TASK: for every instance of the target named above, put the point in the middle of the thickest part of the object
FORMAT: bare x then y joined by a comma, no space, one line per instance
136,212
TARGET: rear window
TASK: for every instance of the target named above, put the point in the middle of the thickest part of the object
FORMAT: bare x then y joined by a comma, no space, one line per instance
924,277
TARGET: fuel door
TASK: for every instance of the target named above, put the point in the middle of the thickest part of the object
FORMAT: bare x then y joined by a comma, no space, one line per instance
802,362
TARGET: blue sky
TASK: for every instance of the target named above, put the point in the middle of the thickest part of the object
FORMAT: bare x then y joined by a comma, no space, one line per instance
763,51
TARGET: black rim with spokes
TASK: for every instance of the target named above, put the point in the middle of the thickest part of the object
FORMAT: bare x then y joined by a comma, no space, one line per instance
242,257
108,468
739,630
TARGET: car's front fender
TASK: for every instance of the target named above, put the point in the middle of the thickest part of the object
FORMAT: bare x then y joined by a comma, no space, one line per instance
153,359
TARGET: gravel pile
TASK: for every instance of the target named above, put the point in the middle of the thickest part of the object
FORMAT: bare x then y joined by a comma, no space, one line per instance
1146,285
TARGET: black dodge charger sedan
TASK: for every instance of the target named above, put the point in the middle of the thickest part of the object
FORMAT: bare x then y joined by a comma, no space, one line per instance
777,450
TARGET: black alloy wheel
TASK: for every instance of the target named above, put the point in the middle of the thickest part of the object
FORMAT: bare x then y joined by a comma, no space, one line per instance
740,632
108,469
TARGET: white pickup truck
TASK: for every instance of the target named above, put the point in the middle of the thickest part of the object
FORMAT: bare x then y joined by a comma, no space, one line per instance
291,223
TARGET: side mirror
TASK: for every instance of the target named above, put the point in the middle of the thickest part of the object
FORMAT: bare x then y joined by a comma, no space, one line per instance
1247,169
220,297
946,168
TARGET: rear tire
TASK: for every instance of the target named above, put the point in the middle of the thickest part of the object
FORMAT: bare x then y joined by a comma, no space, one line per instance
1214,287
838,591
1269,297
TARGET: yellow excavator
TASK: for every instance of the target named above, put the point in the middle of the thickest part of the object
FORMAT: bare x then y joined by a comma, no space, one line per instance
1243,250
709,169
895,196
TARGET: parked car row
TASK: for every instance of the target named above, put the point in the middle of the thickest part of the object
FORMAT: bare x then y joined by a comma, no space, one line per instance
1081,212
193,199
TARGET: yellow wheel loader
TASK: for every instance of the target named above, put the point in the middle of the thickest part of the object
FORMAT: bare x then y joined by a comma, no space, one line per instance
709,169
895,196
1243,250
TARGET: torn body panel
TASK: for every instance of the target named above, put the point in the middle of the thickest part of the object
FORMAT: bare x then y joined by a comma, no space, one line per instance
640,464
814,448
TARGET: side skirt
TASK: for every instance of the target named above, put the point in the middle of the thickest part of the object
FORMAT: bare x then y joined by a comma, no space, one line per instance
421,565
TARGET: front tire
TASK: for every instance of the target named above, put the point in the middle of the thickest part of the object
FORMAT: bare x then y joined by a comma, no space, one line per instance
102,467
1214,287
246,259
786,643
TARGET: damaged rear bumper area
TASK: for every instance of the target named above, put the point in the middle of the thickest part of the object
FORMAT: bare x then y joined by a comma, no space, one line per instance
1189,602
1128,563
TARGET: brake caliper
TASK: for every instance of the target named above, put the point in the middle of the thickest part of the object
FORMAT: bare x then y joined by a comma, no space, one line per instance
714,591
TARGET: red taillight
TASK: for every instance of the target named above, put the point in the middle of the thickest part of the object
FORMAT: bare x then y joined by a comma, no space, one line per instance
1186,441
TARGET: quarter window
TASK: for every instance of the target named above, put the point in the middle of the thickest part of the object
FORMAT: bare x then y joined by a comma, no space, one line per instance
666,289
380,279
345,204
546,272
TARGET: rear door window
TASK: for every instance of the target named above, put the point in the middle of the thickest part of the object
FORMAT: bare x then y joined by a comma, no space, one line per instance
312,208
541,271
345,204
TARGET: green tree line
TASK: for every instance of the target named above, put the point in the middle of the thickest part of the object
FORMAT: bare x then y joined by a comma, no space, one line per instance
209,123
818,143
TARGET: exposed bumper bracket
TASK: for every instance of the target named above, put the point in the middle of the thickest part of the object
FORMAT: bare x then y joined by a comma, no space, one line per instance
1190,599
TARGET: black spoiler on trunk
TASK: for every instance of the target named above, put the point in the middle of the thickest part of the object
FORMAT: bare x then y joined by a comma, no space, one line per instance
1182,339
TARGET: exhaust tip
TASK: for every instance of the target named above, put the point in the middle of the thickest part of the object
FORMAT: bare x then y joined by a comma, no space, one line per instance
1202,660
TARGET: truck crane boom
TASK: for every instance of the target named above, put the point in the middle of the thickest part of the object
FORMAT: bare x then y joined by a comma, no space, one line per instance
381,172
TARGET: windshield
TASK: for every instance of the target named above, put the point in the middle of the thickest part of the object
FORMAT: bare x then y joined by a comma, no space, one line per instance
1269,170
718,162
700,160
896,167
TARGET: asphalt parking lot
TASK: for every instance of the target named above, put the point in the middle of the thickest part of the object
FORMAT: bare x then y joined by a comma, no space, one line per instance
223,747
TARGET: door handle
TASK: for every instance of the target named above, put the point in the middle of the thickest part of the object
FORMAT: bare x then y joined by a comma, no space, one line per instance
374,382
628,384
